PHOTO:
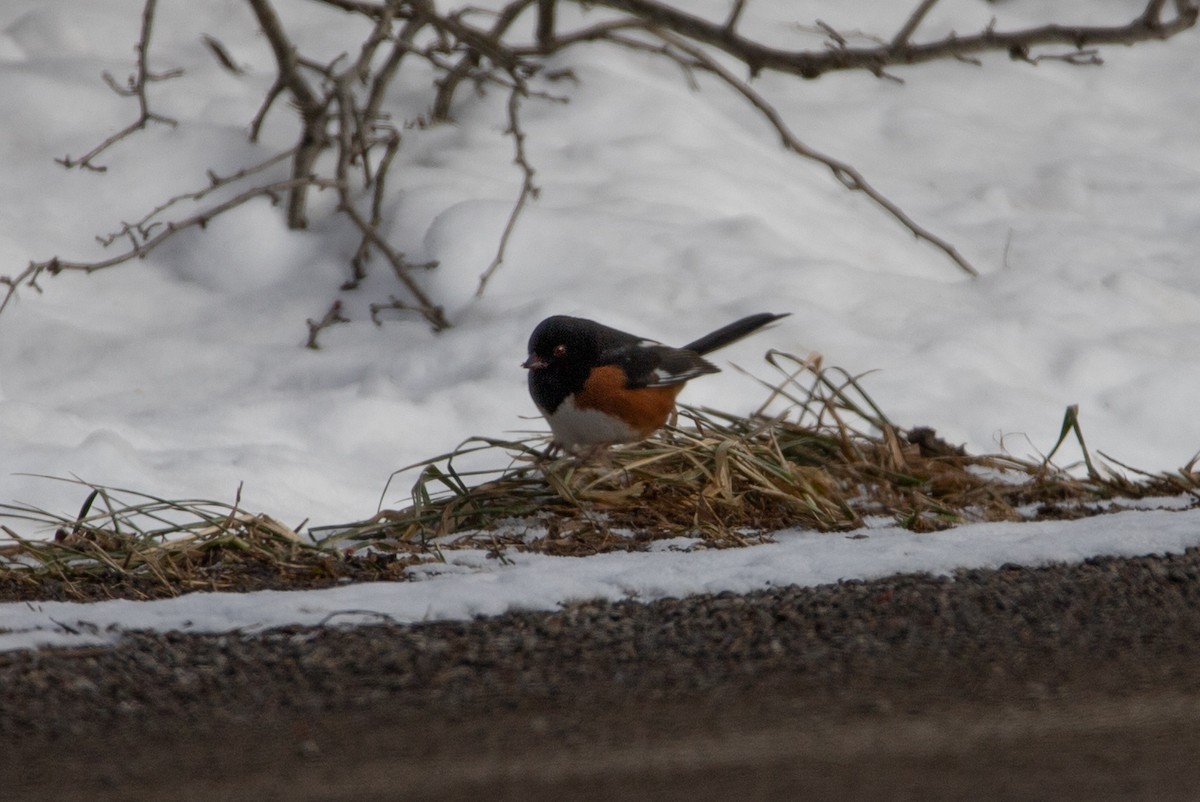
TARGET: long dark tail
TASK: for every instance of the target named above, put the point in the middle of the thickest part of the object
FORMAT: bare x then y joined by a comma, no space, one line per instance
731,333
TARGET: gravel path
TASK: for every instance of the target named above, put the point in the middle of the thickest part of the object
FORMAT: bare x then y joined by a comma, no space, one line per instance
1065,682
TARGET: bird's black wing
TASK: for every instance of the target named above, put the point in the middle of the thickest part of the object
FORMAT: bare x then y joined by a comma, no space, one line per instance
649,364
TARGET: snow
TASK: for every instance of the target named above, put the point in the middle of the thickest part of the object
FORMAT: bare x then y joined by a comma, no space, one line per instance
663,211
475,584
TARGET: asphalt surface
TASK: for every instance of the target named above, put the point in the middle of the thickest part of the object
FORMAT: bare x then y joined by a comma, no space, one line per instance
1064,682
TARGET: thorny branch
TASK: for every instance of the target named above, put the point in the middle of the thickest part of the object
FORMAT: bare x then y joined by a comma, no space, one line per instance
342,105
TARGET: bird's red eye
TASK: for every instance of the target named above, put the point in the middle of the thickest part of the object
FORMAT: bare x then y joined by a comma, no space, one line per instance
560,351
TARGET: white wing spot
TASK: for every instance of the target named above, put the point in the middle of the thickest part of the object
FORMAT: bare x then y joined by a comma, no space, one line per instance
663,378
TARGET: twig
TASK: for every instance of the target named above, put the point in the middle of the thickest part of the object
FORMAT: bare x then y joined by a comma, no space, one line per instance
363,253
147,223
261,115
850,177
393,303
222,55
381,33
529,190
140,233
657,16
479,44
1079,58
432,312
735,14
545,24
341,108
910,26
366,9
312,107
838,40
285,54
136,88
332,317
382,79
140,248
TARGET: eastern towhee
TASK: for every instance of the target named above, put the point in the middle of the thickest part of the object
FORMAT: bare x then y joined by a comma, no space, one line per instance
599,386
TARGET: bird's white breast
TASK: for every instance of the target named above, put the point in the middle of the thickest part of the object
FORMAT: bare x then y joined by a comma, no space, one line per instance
573,426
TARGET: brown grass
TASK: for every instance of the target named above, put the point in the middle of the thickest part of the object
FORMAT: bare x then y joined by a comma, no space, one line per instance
818,454
125,544
826,460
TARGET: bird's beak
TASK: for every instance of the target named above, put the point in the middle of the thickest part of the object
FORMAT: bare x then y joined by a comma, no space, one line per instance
534,362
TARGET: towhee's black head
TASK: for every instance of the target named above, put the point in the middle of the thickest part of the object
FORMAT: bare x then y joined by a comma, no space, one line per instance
562,352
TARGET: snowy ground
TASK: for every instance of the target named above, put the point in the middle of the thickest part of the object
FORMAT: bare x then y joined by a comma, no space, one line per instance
665,211
473,583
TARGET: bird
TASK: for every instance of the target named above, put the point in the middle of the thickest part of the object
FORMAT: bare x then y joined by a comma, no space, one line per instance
598,386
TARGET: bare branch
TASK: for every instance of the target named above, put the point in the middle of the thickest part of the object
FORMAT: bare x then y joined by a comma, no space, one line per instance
142,241
382,79
847,175
315,327
735,14
312,109
910,27
811,64
261,115
199,220
393,303
136,88
431,311
1079,58
358,262
285,55
366,9
528,188
222,55
480,45
839,41
145,225
341,104
593,33
1153,13
379,34
545,24
27,277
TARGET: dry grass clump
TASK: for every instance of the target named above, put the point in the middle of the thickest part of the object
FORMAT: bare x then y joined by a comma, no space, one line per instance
828,460
125,544
818,454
